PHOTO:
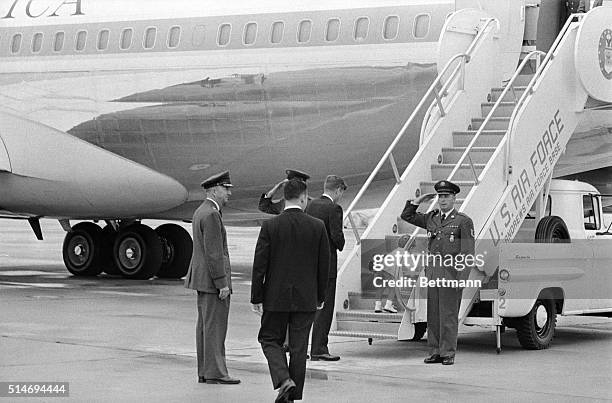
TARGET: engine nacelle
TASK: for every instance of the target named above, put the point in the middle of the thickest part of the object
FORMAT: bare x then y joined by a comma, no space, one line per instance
46,172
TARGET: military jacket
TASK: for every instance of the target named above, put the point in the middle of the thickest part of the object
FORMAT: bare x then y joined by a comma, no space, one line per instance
453,236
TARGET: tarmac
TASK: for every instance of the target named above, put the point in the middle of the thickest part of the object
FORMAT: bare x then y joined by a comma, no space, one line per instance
133,340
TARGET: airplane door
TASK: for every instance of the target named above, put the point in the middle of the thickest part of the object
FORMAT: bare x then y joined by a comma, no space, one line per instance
550,22
511,15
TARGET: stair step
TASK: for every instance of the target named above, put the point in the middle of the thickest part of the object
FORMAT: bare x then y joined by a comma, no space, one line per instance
464,173
367,327
504,109
492,124
487,138
464,187
480,155
523,79
509,97
365,335
369,316
364,302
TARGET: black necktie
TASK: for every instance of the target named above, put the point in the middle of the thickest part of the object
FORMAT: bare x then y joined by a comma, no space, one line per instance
443,216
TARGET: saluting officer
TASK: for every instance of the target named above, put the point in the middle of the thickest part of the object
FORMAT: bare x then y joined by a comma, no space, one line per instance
267,203
450,233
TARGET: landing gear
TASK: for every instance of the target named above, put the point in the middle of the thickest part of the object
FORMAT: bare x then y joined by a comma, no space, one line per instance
108,240
137,252
177,247
82,250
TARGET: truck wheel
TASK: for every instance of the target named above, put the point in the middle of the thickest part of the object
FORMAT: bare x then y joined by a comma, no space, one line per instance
552,229
535,330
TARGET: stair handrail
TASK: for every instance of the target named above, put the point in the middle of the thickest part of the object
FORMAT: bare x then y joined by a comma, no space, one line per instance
429,112
530,88
464,58
509,86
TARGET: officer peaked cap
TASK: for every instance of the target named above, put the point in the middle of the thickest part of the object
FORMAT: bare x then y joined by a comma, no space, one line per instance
220,179
295,174
446,187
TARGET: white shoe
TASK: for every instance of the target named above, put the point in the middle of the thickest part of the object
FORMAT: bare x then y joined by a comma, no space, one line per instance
389,307
377,307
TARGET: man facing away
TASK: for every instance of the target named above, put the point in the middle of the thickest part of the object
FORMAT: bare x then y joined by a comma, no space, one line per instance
327,209
450,233
289,280
269,202
210,274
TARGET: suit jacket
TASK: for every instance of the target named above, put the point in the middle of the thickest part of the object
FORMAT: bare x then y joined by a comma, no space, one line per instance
452,236
210,268
266,205
330,213
291,264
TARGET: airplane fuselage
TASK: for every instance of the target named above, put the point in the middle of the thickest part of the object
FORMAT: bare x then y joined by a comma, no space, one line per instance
322,90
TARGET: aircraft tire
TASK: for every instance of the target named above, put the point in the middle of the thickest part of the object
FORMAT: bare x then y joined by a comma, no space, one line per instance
177,248
82,249
108,239
137,252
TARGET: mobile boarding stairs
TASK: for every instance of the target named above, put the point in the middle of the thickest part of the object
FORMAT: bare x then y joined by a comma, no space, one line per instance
499,141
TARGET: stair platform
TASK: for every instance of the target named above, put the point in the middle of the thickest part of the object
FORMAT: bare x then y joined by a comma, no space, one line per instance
365,335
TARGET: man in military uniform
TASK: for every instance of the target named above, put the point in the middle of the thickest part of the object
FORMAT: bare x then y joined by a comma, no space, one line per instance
450,233
210,274
268,205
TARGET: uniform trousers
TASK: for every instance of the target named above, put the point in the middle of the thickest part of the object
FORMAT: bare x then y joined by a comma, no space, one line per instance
273,330
442,314
211,330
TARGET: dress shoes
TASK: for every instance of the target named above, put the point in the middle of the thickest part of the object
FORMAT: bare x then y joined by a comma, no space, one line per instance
434,359
324,357
285,391
228,380
448,360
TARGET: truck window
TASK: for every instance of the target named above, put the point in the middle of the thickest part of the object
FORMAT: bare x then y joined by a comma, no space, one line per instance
590,207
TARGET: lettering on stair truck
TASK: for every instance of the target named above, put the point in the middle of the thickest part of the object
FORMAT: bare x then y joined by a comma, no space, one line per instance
529,182
43,8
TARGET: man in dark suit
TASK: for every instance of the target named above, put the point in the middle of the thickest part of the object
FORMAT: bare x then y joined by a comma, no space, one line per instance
290,272
450,234
211,275
327,209
267,202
